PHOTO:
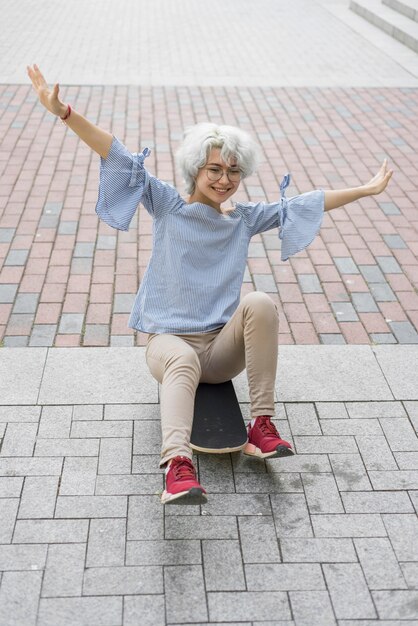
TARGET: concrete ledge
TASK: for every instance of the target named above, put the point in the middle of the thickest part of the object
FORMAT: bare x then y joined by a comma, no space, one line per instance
409,8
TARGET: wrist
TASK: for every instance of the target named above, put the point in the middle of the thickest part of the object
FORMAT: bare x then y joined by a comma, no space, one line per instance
64,112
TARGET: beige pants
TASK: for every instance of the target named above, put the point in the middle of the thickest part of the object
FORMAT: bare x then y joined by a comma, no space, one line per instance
179,362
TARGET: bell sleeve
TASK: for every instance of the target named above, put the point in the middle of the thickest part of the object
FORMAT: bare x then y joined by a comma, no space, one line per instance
123,181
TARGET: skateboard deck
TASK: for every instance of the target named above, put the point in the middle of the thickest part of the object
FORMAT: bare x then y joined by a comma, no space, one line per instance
218,425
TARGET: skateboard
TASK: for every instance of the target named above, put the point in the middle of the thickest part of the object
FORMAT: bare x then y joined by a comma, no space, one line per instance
218,425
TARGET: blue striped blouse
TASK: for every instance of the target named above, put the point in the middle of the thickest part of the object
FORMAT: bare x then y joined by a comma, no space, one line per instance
193,280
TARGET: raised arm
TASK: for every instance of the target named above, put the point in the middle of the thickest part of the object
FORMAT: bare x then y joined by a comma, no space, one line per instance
337,198
96,138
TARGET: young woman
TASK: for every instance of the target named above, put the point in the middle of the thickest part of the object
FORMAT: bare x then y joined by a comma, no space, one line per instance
189,299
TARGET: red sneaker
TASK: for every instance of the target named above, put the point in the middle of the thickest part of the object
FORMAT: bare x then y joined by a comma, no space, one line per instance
181,486
264,440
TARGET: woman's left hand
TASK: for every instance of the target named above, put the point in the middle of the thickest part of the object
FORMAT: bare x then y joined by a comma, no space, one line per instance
379,182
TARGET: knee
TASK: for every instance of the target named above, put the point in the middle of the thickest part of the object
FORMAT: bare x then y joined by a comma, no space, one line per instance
185,360
260,304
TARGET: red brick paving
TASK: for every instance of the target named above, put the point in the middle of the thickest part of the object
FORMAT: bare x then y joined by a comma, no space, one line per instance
42,162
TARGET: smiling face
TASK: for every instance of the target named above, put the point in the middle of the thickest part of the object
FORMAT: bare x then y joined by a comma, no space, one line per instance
210,192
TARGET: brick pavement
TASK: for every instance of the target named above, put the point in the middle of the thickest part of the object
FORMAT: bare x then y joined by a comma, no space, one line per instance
67,280
324,538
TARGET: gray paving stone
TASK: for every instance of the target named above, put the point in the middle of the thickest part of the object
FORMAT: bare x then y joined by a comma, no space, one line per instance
80,266
80,611
291,515
8,512
299,463
15,342
377,502
146,519
267,483
147,437
369,410
64,571
344,312
372,274
247,605
16,257
389,265
237,504
390,480
90,506
51,531
185,603
96,334
382,292
79,476
396,604
265,282
348,525
346,265
312,607
302,419
129,580
395,242
19,596
22,557
400,434
348,591
332,339
364,303
403,531
304,373
84,249
404,332
284,577
19,440
53,208
318,550
67,227
43,335
199,527
407,460
106,242
97,376
222,565
121,341
24,364
66,447
357,427
10,487
389,208
88,412
379,563
167,552
382,338
322,493
38,497
26,466
402,380
20,413
115,456
258,540
102,428
376,453
55,422
123,302
129,485
410,573
26,303
325,444
146,464
132,412
71,323
309,283
7,234
412,412
106,543
331,410
144,610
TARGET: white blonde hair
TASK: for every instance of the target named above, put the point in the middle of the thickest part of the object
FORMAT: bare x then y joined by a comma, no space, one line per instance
200,139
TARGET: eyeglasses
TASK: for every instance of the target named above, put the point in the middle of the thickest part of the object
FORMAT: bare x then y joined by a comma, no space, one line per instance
216,173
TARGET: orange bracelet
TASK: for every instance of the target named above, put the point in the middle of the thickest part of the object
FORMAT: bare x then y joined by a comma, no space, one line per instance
67,115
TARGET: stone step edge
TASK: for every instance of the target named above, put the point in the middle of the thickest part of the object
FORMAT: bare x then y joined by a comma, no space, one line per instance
409,8
392,23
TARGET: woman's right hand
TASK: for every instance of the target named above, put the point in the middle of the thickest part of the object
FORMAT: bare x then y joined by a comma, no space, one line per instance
49,98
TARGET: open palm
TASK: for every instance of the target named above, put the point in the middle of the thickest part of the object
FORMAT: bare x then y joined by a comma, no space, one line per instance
49,98
379,182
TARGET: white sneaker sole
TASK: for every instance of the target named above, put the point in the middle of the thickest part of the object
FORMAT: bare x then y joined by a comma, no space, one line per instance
190,497
252,450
